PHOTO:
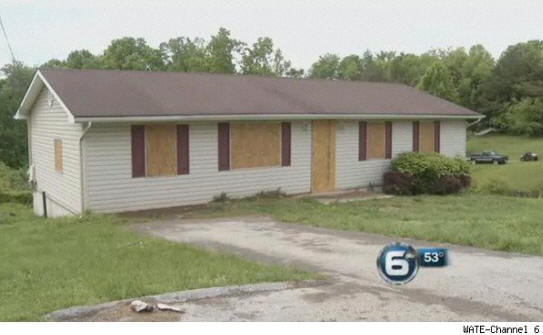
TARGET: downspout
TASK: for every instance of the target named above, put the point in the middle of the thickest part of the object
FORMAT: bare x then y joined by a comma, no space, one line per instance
476,121
81,166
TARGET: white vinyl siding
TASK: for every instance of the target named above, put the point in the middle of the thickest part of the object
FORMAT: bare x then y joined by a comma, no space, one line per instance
111,188
48,123
453,138
402,137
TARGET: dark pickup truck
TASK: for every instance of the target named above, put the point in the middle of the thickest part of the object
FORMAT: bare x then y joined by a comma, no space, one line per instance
489,157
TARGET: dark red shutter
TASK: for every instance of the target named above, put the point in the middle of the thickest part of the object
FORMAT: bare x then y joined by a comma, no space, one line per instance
285,144
437,131
362,135
416,136
224,146
388,140
138,151
182,149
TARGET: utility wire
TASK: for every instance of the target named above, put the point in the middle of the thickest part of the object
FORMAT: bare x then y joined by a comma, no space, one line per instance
7,40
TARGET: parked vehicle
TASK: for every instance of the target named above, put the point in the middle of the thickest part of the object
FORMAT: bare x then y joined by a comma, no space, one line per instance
491,157
528,156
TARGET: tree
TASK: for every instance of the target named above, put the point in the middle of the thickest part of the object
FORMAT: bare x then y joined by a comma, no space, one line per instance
53,64
475,72
13,148
518,74
81,59
525,117
409,68
327,67
437,80
372,68
295,73
186,55
349,68
129,53
222,49
263,59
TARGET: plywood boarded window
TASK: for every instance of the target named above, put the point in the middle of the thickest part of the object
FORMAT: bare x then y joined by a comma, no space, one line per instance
255,144
58,155
427,136
161,150
376,140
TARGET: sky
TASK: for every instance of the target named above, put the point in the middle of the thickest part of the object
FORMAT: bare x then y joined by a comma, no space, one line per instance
304,30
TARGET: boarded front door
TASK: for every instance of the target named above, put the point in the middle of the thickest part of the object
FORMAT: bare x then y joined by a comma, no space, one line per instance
323,166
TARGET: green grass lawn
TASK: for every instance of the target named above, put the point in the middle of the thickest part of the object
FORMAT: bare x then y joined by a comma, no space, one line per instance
49,264
486,221
516,177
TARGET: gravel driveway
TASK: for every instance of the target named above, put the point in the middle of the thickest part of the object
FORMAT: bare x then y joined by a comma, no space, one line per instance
478,285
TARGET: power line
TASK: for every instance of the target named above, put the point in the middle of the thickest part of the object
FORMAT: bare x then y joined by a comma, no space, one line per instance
7,40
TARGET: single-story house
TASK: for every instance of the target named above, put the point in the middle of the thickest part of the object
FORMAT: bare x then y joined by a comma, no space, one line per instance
113,141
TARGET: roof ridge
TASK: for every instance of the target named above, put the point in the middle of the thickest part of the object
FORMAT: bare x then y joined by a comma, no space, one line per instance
233,75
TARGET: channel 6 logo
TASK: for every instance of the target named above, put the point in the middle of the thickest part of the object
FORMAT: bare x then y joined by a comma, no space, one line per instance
397,263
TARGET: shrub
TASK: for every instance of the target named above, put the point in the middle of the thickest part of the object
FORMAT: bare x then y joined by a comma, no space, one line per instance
430,165
275,194
400,183
23,197
445,185
465,180
223,197
13,186
433,173
12,180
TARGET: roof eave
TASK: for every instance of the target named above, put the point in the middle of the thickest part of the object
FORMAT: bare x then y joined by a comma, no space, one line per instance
251,117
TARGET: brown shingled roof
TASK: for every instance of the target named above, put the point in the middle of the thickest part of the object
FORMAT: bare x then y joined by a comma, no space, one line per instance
102,93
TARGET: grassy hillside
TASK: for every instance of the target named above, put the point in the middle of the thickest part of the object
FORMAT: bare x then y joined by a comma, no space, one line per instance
520,178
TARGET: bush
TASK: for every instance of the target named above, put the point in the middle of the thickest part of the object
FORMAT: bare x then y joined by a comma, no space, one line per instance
12,180
433,173
13,186
524,117
445,185
465,180
430,165
223,197
275,194
24,197
400,183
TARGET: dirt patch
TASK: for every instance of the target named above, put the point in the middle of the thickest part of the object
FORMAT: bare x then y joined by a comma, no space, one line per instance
122,312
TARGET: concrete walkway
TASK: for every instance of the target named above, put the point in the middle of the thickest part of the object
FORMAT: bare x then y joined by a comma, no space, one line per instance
479,285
